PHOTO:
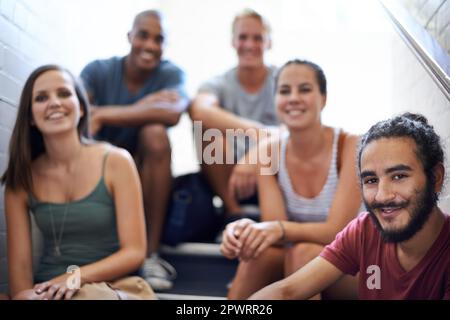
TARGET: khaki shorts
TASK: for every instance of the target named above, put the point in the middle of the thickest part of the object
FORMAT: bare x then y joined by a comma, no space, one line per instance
129,288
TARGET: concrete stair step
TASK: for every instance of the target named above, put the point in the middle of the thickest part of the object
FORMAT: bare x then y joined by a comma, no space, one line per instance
203,273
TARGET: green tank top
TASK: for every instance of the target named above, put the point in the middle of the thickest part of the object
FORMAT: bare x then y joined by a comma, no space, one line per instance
89,234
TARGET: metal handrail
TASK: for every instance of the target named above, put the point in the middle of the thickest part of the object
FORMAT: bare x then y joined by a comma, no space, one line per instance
428,51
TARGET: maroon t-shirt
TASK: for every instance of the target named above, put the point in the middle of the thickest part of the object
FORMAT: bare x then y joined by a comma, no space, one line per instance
360,248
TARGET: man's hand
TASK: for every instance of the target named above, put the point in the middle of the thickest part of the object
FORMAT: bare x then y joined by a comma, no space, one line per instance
162,99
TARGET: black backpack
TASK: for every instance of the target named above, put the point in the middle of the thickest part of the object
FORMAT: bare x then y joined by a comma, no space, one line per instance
191,215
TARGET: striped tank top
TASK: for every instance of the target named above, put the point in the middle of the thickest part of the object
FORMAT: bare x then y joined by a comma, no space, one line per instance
303,209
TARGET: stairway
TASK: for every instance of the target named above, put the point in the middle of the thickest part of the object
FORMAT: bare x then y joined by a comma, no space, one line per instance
203,273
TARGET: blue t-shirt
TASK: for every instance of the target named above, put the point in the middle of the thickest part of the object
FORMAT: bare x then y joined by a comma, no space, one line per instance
104,80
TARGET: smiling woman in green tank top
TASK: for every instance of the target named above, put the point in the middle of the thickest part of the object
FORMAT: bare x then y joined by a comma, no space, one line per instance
85,197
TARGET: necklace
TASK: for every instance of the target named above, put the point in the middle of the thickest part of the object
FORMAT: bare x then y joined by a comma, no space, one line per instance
57,239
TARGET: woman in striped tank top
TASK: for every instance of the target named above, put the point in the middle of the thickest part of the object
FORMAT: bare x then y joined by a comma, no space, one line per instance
311,198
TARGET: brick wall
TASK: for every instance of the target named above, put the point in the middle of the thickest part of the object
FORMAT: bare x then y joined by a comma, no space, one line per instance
29,37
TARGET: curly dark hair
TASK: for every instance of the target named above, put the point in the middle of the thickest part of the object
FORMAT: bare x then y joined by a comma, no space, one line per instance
410,125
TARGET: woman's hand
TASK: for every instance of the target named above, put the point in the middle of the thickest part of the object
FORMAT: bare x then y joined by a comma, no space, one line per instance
29,294
55,291
231,244
258,237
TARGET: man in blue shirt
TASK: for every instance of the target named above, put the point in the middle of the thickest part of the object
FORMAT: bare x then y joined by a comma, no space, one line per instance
136,98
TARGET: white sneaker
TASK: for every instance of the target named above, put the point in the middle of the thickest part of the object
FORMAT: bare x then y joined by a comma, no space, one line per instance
159,273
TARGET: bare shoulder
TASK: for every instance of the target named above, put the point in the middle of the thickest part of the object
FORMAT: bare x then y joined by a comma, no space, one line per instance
118,158
349,150
16,195
118,164
99,149
16,203
351,141
270,146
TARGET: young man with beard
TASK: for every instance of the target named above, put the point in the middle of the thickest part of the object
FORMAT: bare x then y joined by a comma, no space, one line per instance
136,98
401,247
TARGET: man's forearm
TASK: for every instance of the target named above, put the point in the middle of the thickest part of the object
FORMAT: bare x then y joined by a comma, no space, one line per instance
303,284
128,116
274,291
205,108
215,117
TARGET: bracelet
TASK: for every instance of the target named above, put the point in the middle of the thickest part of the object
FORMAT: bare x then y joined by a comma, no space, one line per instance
283,231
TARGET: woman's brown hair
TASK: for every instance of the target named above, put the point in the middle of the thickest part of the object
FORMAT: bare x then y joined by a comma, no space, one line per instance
26,142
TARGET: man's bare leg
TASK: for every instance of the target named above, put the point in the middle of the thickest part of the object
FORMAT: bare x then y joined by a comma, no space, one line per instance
156,178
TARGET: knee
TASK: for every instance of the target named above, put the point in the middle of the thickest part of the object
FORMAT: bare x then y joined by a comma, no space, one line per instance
154,142
300,254
255,274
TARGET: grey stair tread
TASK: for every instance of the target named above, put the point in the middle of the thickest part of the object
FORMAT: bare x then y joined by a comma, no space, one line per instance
202,270
193,248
